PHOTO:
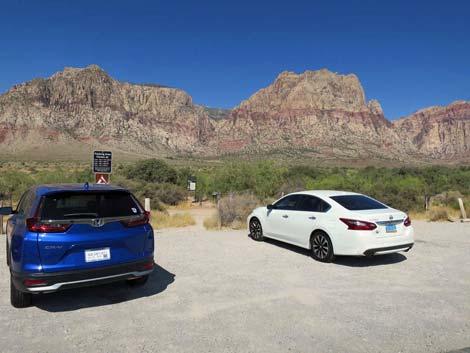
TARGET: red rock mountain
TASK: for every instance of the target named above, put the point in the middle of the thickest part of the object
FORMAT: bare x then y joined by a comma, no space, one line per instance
319,114
439,132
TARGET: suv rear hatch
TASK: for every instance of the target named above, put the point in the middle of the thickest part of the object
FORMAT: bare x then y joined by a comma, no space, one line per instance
86,229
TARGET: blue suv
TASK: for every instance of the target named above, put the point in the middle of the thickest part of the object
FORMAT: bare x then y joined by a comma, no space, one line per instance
69,235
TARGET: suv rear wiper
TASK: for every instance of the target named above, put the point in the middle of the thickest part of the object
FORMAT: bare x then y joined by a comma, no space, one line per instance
89,214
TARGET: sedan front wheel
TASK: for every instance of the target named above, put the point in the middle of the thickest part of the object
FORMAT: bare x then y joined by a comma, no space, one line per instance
256,231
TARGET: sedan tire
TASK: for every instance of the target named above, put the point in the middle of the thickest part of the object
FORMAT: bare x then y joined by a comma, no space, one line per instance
321,247
256,231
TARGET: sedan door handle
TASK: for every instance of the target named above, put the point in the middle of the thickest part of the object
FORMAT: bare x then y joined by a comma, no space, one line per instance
312,217
285,216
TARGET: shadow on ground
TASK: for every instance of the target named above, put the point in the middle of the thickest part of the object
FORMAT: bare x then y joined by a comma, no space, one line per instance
88,297
351,261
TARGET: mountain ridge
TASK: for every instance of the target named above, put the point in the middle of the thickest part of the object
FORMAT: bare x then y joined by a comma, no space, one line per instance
320,112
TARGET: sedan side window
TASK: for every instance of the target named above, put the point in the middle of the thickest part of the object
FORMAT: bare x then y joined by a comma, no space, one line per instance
313,204
287,203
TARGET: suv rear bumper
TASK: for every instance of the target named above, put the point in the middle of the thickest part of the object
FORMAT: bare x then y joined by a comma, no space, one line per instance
82,278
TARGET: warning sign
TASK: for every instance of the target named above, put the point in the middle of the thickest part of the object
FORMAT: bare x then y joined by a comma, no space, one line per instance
101,178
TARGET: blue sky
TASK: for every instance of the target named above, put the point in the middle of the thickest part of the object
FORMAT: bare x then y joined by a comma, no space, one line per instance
407,54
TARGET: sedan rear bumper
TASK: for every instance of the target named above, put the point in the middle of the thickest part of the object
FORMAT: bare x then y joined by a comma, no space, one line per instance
388,249
51,282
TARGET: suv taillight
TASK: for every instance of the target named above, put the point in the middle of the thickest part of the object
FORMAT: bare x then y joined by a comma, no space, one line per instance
34,225
354,224
407,222
144,219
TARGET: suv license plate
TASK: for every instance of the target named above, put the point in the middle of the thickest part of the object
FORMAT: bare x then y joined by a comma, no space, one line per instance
391,228
97,255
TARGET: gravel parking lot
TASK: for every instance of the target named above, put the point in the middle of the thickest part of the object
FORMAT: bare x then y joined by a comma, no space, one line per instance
220,291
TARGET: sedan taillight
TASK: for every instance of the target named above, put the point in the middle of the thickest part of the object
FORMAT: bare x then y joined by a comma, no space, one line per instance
144,219
407,222
34,225
354,224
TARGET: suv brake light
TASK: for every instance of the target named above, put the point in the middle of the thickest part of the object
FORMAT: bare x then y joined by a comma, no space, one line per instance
137,222
407,222
354,224
34,225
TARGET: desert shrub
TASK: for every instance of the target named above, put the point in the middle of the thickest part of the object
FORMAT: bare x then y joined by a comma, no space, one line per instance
292,184
153,171
449,198
262,178
166,193
211,222
233,209
438,214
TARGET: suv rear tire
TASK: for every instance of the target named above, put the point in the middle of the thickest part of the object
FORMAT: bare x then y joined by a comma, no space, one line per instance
19,299
138,281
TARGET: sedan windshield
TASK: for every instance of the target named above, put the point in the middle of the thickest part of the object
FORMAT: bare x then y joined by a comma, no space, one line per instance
358,202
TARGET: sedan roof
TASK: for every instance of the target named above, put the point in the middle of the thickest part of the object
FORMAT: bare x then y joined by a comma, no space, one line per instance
326,193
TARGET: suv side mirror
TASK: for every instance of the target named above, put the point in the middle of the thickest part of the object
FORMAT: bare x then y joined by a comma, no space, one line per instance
270,207
5,211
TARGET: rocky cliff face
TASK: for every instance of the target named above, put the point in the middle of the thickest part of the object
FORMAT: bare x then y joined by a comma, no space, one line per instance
89,106
439,132
320,113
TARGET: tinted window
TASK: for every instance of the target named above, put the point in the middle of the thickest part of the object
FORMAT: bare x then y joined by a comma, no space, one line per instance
88,204
358,202
287,203
313,204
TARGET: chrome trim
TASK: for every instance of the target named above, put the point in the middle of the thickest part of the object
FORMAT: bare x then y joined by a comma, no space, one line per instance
91,221
385,223
56,286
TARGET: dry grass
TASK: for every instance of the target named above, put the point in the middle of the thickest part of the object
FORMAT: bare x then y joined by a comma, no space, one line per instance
211,223
436,214
160,220
189,204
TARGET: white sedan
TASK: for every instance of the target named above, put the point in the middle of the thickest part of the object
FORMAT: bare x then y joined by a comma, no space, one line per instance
333,223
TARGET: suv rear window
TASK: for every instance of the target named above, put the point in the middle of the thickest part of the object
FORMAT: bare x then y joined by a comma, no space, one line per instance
90,204
358,202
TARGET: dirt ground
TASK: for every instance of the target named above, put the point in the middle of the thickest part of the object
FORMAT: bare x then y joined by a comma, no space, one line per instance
219,291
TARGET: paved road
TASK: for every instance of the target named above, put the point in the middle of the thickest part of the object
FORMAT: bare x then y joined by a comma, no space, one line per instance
221,292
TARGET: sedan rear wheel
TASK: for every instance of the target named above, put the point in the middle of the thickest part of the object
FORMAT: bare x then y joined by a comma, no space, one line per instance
256,231
322,248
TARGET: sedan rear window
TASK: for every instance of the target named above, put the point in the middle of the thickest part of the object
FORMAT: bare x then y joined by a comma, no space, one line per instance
89,204
358,202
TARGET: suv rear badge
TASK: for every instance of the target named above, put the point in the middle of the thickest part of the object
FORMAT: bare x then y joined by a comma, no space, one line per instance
97,222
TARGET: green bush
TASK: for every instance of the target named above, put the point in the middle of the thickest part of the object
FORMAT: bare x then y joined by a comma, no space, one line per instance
152,171
168,194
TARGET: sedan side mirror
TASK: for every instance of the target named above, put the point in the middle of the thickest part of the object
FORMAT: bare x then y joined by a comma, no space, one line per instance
270,207
5,211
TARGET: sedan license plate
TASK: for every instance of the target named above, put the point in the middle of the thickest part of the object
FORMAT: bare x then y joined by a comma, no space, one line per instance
390,228
97,255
